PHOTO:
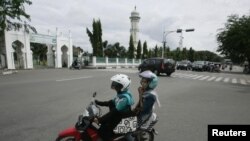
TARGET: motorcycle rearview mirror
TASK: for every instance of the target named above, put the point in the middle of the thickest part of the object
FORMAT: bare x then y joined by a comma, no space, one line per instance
80,119
94,94
93,98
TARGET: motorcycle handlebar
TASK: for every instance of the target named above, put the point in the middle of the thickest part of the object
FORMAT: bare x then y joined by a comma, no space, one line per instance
93,98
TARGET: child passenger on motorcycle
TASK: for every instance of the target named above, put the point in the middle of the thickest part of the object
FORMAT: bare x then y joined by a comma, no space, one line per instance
146,117
119,107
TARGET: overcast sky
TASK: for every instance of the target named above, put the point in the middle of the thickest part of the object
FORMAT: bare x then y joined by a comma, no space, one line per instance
157,16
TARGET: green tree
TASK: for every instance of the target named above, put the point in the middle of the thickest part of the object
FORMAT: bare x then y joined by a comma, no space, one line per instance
13,15
159,52
108,51
234,39
184,54
150,53
177,54
145,50
77,51
172,54
138,53
167,52
95,38
115,50
191,53
131,48
207,56
199,55
122,52
156,51
99,38
105,44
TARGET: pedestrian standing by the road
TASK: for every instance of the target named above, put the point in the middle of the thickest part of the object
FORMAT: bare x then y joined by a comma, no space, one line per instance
147,98
231,67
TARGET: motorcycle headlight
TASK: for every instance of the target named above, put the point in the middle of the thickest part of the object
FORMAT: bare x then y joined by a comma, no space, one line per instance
86,113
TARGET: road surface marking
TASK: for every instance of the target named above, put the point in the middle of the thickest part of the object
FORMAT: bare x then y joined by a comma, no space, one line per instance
191,75
203,78
242,81
198,77
234,80
60,80
212,78
218,79
185,75
226,80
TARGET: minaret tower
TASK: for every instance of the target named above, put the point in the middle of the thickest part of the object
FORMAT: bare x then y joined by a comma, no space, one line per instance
134,18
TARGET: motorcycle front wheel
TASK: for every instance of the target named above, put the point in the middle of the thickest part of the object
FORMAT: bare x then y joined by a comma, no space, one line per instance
144,136
70,138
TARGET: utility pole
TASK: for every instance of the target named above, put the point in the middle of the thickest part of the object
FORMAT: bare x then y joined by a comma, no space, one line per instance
165,33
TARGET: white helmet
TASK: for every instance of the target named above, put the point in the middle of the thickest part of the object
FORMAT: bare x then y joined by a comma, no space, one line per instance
122,79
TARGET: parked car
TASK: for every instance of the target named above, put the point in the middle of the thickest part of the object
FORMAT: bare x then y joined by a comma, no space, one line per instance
200,66
214,66
158,65
184,65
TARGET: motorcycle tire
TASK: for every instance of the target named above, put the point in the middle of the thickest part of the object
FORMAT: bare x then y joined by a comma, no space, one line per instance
144,135
69,138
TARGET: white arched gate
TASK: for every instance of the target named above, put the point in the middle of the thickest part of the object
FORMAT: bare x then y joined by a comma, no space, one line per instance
55,43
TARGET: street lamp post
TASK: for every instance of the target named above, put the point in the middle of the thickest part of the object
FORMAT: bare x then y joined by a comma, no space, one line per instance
181,37
165,33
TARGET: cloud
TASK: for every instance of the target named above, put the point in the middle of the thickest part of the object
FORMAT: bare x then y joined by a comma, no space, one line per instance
205,16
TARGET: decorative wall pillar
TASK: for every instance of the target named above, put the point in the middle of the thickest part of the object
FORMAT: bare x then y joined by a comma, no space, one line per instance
50,56
28,57
117,61
107,61
9,51
94,60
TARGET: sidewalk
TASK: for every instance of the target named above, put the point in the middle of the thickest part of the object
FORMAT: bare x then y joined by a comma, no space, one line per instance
235,69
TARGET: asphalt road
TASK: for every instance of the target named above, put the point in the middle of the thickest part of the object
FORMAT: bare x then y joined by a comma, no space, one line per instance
35,105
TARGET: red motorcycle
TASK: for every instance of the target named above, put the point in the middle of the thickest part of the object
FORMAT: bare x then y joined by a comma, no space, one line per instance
87,130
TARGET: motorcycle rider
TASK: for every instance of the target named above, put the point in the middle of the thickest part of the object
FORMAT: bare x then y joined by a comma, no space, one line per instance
119,107
146,118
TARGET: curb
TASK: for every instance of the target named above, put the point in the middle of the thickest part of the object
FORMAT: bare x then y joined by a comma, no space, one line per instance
9,72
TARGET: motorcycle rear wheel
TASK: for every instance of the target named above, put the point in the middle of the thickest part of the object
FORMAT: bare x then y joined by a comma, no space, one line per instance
69,138
144,136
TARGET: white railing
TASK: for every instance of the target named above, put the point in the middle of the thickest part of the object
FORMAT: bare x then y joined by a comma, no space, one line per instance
114,62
